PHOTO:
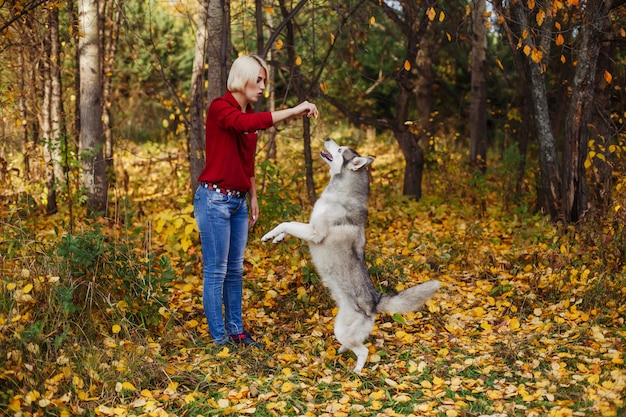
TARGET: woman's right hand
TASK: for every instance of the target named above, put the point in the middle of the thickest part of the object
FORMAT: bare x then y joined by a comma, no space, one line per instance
306,109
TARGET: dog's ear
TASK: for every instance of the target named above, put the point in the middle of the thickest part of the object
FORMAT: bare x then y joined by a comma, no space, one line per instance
360,162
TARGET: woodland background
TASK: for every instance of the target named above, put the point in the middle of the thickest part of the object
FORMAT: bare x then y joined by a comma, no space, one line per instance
500,156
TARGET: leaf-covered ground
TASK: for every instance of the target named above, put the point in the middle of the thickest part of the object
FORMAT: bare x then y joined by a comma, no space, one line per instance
529,320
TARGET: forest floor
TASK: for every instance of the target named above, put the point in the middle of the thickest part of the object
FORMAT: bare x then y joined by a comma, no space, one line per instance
529,320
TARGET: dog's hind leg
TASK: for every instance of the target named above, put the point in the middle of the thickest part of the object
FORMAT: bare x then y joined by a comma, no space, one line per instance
351,330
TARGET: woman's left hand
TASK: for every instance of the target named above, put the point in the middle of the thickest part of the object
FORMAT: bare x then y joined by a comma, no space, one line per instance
254,211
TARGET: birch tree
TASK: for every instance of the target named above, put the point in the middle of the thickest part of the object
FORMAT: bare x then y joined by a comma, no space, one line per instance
91,137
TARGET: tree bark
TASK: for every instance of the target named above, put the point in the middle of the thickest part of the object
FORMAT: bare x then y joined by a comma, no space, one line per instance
197,128
549,195
478,100
601,132
414,25
92,141
45,124
111,13
576,141
218,48
58,144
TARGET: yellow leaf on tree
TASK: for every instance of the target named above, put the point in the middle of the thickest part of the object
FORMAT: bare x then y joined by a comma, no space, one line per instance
372,21
526,50
560,40
299,61
279,44
431,13
332,39
608,77
541,15
442,16
531,4
407,65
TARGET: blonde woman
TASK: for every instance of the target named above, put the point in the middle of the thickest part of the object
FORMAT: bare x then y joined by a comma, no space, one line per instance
225,203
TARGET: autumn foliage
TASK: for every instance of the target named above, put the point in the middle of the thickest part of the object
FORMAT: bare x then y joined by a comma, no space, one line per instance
108,320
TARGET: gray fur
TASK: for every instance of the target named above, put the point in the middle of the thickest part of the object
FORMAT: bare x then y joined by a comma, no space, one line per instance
336,237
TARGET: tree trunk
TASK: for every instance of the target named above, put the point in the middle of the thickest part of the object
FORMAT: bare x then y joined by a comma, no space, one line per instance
575,192
271,84
218,48
45,123
58,143
301,91
478,100
415,27
549,195
23,112
197,128
601,182
110,26
424,90
92,149
414,163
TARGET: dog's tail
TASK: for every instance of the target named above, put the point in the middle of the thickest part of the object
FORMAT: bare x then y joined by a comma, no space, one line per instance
408,300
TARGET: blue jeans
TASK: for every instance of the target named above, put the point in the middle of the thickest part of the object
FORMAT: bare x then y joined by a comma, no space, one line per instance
223,225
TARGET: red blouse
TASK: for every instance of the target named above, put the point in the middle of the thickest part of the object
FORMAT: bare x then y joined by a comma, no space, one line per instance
231,137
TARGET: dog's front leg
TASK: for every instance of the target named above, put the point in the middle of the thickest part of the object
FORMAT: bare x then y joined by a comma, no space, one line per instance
302,231
278,234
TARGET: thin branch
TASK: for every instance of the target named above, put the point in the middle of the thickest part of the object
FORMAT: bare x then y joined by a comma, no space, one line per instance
280,27
27,9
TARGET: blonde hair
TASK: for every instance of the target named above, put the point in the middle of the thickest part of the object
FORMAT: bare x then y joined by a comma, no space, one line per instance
244,70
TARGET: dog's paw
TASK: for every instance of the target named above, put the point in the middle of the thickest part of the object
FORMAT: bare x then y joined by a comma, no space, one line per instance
275,234
278,238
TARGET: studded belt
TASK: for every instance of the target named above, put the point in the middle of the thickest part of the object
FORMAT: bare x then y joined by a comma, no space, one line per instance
230,193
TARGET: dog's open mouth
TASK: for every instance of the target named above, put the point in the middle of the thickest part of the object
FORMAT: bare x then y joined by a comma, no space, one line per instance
326,155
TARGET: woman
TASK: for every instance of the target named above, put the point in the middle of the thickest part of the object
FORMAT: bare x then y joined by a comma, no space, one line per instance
227,181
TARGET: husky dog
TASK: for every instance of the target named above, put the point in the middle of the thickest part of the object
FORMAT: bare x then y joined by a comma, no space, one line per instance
336,237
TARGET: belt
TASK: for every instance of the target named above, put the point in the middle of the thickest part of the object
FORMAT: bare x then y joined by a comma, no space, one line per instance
230,193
